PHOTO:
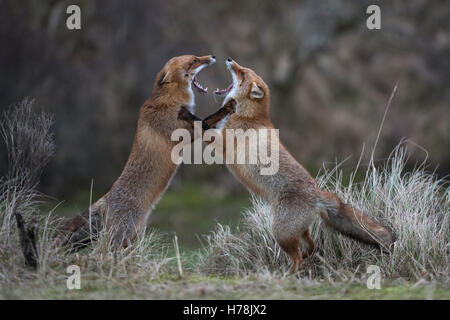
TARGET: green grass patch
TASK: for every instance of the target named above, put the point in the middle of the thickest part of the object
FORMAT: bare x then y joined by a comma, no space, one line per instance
194,286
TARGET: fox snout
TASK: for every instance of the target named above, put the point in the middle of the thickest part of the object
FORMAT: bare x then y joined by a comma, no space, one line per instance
209,60
232,65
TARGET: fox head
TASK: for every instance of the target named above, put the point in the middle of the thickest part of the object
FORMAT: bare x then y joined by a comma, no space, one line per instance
181,73
250,92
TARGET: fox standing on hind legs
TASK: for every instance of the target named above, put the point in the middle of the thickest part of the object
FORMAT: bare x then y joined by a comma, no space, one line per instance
149,168
292,193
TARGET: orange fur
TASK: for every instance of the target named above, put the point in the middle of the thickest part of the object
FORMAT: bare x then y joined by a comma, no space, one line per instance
292,193
149,168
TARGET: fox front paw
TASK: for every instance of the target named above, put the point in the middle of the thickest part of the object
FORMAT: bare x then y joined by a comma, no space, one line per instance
184,114
230,106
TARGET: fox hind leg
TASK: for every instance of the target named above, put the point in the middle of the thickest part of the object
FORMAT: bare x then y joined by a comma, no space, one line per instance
292,217
292,248
306,236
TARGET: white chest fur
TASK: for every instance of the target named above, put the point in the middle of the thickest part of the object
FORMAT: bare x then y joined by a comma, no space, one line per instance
191,103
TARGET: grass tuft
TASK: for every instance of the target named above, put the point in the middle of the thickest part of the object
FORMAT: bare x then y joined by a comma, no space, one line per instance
30,146
415,205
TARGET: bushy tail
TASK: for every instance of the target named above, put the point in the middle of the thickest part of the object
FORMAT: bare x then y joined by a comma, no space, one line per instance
81,230
352,222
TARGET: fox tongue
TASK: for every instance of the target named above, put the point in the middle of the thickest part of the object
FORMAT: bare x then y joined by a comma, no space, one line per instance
223,91
199,86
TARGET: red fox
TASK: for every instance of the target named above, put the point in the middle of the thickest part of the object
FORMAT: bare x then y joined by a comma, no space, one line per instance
292,193
149,168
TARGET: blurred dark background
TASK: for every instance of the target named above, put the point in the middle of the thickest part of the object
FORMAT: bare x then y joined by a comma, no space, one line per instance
330,79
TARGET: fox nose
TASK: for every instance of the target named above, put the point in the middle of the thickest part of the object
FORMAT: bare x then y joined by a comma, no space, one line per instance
213,56
229,59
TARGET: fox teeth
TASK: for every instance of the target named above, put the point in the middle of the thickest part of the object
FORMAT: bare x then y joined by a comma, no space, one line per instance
199,86
223,91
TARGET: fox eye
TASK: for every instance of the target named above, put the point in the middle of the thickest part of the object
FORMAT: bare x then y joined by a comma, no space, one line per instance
242,73
195,61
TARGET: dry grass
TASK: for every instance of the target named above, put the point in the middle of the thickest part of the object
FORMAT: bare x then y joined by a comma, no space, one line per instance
414,204
30,146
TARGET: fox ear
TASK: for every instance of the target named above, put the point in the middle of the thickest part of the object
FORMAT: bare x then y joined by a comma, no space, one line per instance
165,78
256,92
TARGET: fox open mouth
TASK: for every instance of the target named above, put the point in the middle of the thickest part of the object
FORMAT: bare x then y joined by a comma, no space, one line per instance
221,92
198,86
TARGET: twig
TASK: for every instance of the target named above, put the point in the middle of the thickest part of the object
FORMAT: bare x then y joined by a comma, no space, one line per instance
28,239
177,252
382,121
